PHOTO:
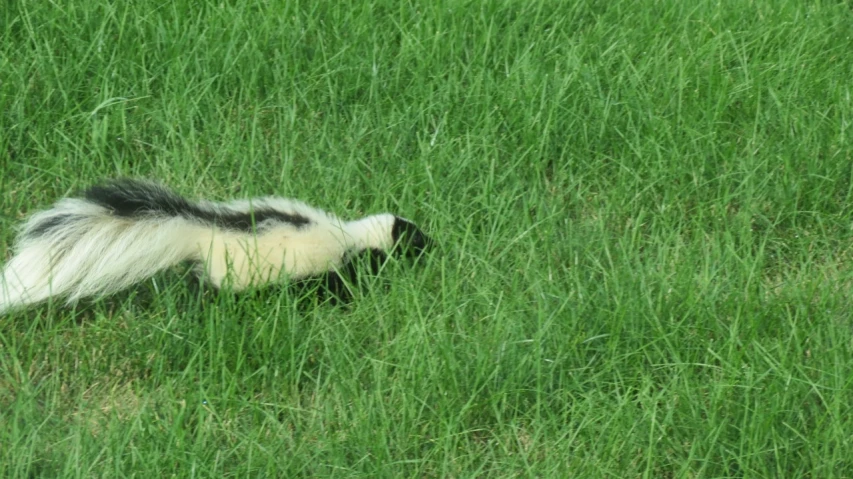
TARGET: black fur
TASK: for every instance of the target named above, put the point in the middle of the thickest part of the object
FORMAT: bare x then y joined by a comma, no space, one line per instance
48,225
133,198
409,239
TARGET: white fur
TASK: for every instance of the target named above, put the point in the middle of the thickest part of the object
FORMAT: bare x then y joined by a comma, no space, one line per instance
102,253
288,251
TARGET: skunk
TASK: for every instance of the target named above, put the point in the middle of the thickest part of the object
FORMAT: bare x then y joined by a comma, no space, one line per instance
124,231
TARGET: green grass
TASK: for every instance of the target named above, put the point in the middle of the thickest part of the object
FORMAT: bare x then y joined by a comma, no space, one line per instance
644,211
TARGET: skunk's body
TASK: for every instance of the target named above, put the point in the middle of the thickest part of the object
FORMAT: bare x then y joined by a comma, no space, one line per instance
125,231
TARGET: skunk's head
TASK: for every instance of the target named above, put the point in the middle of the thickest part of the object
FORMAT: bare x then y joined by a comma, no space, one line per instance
408,239
371,241
390,234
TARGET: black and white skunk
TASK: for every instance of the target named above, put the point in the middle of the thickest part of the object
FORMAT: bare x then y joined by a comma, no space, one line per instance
124,231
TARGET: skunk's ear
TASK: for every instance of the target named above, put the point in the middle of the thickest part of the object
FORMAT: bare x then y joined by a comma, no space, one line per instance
408,238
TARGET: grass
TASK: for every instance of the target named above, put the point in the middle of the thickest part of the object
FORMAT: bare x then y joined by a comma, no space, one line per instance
644,213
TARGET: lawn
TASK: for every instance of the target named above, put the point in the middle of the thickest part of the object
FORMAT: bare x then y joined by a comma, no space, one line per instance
644,213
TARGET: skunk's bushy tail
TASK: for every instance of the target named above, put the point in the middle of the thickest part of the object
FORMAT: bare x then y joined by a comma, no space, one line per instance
116,236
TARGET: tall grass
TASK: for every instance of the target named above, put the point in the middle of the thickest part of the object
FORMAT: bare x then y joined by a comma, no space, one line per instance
644,213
